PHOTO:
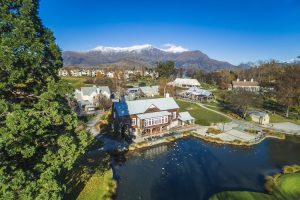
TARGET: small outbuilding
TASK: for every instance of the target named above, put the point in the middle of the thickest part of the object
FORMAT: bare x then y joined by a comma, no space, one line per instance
186,119
260,117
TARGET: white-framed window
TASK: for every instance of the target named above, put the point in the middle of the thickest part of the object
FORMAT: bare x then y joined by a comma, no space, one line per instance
133,121
174,115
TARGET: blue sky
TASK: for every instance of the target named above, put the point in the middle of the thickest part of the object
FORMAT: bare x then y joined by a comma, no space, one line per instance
231,30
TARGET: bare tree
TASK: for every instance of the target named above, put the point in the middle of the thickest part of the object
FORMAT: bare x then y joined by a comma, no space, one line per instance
241,100
288,87
104,102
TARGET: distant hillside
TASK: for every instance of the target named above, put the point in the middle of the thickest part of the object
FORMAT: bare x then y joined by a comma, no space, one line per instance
142,55
125,64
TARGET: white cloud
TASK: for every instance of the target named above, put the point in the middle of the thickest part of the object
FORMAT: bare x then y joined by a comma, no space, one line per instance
173,48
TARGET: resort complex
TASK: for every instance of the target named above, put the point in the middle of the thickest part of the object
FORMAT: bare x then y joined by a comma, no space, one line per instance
199,112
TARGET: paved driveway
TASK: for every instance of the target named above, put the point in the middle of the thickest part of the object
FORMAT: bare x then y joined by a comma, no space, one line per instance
90,125
287,127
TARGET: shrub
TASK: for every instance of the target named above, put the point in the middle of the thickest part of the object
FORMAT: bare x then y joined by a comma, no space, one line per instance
251,130
269,184
236,141
276,134
291,169
213,131
248,118
170,139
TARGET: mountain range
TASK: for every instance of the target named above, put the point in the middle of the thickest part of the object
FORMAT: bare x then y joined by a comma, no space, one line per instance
146,55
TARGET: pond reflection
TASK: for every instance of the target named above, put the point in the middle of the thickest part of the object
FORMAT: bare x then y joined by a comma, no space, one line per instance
193,169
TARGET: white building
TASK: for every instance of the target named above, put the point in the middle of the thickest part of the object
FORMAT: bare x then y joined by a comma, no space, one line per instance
185,83
63,72
88,97
260,117
150,91
252,86
110,74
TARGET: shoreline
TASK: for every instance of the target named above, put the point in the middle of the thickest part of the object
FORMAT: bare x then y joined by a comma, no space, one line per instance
166,140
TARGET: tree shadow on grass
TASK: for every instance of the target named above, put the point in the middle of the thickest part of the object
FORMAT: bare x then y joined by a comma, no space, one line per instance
84,168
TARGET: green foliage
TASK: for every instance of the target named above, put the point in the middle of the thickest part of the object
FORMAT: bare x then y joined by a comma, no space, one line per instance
39,134
291,169
165,69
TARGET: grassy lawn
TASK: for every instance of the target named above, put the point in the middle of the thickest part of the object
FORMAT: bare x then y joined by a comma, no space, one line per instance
91,176
218,107
275,118
100,186
202,116
77,82
287,187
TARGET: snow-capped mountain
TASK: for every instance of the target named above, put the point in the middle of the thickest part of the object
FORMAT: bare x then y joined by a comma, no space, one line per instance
138,48
145,54
293,61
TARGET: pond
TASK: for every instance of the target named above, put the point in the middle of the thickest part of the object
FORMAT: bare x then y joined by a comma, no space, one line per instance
193,169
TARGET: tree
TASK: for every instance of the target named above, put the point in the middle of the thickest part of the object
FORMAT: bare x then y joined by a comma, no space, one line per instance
288,87
241,100
165,88
39,136
165,69
104,102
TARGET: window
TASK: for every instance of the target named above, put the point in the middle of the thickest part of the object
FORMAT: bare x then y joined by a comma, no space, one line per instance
174,115
133,121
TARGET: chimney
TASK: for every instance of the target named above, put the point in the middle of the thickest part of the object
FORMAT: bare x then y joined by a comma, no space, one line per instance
245,80
237,80
167,95
251,79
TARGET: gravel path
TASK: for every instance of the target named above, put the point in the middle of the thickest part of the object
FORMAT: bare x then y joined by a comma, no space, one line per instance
90,126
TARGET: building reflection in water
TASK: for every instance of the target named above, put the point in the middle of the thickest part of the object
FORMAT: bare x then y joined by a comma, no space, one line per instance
154,151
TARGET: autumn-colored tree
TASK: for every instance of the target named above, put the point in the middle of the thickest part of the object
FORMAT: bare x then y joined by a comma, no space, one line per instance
104,102
164,87
288,87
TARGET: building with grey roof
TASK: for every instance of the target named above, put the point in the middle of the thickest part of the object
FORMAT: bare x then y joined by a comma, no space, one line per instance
197,94
186,118
88,97
185,83
146,117
260,117
252,86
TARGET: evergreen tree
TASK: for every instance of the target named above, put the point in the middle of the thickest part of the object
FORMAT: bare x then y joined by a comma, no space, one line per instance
39,134
165,69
